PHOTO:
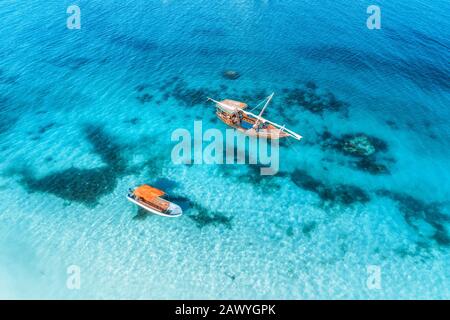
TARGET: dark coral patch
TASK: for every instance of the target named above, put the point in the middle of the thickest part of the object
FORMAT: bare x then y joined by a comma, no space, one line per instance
415,210
191,96
43,129
305,181
81,185
86,186
141,87
392,124
290,231
188,96
185,95
364,148
214,120
133,121
231,75
372,166
360,145
106,147
165,96
338,194
344,194
442,237
419,249
205,218
308,228
169,83
144,98
309,98
311,85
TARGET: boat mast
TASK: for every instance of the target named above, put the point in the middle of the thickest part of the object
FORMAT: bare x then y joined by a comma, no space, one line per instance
262,111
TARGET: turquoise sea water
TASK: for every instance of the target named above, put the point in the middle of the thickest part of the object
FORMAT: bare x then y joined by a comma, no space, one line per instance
86,114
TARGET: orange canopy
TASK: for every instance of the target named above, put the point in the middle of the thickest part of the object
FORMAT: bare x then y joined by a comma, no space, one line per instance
148,193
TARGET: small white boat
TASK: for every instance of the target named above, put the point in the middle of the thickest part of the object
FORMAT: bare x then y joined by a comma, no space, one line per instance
151,200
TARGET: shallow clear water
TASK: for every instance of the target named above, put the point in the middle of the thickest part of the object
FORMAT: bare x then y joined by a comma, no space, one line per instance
86,114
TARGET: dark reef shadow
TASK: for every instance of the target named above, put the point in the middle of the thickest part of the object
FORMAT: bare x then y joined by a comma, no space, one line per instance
85,186
365,151
330,194
415,210
308,97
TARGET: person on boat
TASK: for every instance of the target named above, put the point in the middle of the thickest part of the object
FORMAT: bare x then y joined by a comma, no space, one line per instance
235,119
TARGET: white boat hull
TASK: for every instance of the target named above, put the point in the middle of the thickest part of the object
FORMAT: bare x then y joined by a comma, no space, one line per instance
175,210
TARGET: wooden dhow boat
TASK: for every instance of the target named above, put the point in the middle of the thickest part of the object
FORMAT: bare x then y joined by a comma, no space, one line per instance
232,113
152,200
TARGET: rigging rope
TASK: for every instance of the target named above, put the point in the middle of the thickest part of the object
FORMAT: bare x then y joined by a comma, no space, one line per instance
258,104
